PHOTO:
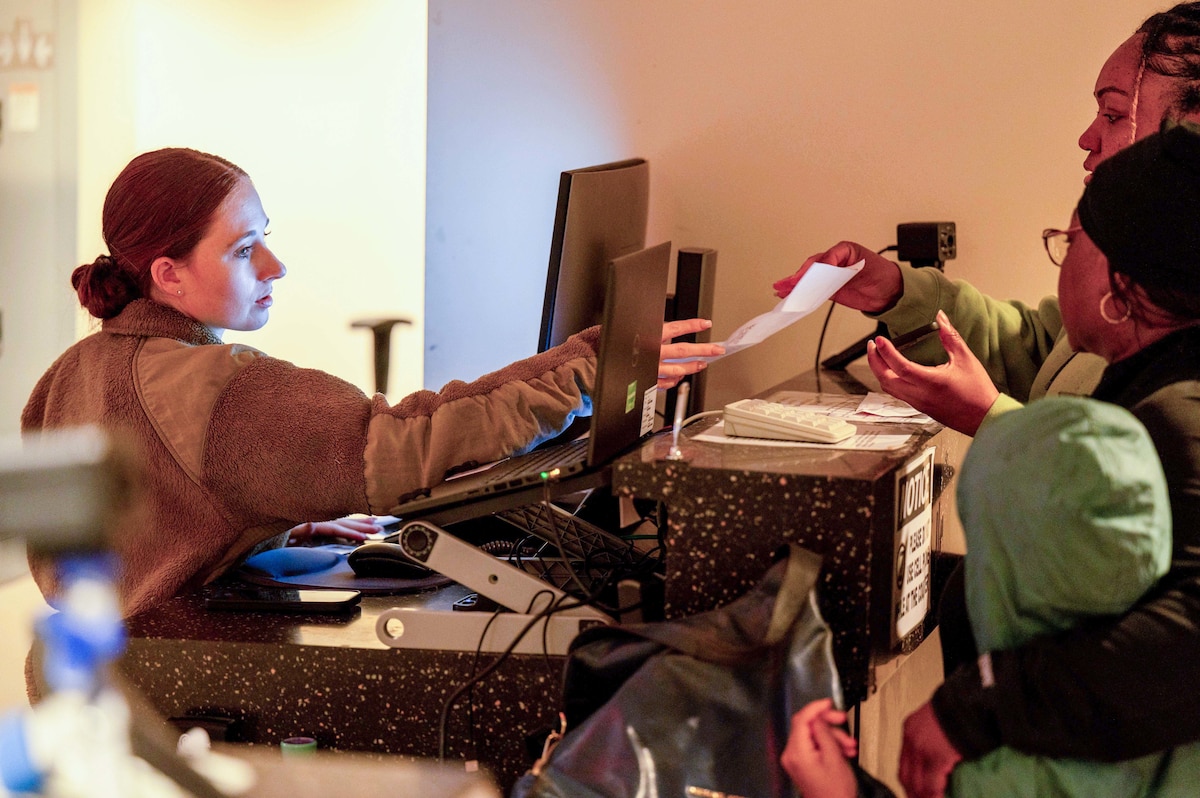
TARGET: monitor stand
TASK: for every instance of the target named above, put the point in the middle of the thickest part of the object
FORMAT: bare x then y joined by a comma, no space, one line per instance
529,627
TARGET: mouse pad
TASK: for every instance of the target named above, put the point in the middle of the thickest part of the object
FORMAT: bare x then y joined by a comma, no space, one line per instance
325,566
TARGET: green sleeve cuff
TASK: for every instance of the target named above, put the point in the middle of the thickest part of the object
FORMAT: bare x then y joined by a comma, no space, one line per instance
1003,404
918,304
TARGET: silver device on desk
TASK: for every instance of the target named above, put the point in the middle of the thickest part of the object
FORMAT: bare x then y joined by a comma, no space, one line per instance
545,618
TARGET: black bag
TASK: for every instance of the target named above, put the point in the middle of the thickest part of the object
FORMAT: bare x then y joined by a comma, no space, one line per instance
699,706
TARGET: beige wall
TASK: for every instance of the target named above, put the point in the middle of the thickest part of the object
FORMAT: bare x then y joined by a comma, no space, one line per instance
773,129
324,105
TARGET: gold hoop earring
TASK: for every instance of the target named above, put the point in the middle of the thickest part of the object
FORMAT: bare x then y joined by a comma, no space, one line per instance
1112,319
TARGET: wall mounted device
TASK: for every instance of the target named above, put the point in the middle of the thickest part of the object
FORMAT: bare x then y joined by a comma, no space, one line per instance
926,243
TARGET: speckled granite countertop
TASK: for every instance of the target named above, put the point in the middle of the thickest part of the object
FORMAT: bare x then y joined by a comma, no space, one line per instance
729,507
273,676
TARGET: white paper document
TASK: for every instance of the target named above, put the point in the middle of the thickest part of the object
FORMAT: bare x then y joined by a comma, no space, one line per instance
874,408
880,406
817,285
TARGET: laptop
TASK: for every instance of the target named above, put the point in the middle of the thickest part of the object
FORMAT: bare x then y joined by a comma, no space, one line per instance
623,404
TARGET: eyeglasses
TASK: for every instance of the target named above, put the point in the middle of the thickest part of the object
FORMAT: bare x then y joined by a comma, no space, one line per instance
1057,242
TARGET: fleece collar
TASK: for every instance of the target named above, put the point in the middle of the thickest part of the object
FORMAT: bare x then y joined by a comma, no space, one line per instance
149,319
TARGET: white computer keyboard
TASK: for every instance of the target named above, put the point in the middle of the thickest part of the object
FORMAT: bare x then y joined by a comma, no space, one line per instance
758,418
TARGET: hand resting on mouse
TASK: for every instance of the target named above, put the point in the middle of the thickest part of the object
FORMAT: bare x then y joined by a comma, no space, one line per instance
377,560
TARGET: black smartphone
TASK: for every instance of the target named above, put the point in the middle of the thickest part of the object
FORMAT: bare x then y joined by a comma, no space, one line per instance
281,599
915,336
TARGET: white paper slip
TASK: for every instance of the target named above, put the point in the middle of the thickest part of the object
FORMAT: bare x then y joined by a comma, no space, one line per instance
874,408
890,408
817,285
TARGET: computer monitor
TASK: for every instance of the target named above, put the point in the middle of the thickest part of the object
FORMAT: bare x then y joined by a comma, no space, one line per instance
602,214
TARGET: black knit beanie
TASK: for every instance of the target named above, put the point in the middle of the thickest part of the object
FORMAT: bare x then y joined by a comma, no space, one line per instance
1142,208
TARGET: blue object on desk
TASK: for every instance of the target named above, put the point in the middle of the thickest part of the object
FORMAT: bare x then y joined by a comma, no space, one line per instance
325,566
293,561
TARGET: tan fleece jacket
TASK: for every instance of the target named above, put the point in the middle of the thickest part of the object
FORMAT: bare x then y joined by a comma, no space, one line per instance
239,447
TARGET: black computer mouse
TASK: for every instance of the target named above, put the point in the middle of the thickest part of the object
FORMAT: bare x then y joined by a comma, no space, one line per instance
379,560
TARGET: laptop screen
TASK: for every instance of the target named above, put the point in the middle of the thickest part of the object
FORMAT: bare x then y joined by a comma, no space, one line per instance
625,393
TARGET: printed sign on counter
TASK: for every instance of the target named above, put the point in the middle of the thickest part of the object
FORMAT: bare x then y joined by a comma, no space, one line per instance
914,544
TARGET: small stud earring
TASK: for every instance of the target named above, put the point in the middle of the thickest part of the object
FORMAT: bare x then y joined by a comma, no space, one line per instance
179,291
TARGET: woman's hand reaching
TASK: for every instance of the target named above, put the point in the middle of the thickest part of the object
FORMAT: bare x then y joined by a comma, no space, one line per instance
873,290
958,393
356,528
817,752
669,374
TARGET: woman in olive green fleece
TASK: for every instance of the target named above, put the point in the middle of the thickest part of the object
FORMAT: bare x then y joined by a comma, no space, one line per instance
240,447
1004,353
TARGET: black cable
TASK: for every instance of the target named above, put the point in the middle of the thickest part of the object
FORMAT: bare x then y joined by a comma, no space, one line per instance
517,558
821,340
604,580
606,575
551,608
558,605
557,538
471,692
590,598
